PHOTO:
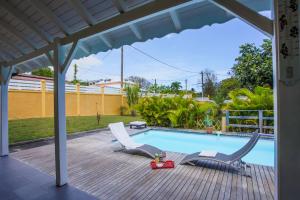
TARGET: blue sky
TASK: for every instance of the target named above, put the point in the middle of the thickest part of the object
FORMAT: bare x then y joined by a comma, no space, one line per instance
212,47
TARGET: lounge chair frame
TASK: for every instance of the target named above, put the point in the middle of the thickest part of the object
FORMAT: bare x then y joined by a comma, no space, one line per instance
233,160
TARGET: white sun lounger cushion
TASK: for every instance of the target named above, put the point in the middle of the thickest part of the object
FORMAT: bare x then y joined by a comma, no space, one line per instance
208,153
137,123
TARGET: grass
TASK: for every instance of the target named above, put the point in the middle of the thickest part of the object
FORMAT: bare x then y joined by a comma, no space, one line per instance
37,128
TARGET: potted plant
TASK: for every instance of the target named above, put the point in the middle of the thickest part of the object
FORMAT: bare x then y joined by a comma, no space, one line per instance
208,124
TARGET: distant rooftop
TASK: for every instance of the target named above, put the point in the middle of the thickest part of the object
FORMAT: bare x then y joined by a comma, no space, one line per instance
29,77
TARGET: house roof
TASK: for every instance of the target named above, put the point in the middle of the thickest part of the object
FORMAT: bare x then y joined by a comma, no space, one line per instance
29,77
28,28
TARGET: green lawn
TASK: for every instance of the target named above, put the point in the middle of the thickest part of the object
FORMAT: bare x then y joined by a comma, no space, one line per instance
31,129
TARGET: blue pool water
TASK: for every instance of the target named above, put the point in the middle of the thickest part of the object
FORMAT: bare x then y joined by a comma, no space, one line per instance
185,142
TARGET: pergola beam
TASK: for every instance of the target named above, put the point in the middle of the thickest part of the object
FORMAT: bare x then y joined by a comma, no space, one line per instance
82,11
24,19
7,55
17,34
137,32
120,5
106,41
11,46
84,48
254,19
44,10
11,43
176,20
134,15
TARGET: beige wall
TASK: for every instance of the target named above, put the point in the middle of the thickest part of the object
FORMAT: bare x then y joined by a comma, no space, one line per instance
31,104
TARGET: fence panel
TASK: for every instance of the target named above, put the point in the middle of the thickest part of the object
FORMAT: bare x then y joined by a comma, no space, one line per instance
258,120
24,85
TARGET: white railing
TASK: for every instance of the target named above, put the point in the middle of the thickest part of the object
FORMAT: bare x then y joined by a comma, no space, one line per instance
38,86
259,120
24,85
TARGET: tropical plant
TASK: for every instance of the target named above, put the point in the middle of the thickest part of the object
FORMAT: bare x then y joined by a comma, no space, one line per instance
207,121
132,94
175,112
244,99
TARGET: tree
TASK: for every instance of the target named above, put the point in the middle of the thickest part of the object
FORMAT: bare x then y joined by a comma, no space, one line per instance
175,87
46,72
254,65
209,83
142,82
75,73
223,89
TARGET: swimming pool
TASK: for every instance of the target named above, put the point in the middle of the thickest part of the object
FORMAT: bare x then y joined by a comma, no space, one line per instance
186,142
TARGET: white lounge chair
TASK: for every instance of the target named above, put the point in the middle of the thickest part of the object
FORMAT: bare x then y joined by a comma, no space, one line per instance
120,133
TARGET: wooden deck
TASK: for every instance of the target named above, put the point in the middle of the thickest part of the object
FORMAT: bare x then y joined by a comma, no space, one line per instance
94,168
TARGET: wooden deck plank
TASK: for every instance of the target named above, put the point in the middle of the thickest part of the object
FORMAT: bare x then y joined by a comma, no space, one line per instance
94,168
218,183
249,181
204,182
149,187
260,183
221,194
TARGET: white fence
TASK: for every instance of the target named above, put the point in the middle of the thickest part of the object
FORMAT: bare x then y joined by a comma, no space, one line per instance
38,86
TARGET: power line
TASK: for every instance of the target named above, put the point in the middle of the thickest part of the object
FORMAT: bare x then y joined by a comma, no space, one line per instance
160,61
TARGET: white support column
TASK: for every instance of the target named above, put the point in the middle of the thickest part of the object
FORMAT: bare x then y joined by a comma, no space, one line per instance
5,74
61,62
247,15
287,99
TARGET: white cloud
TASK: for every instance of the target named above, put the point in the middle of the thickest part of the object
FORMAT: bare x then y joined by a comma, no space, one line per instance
84,64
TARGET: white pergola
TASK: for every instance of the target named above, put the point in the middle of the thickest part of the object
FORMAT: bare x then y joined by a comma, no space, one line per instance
39,33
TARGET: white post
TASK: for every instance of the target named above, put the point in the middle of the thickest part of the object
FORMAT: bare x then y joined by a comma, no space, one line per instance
61,63
287,99
5,74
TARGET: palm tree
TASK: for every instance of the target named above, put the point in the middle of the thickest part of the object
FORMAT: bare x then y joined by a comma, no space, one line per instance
175,87
132,93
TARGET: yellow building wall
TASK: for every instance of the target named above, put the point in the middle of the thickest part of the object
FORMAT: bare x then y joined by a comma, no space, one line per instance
112,104
71,104
36,104
49,104
25,104
90,104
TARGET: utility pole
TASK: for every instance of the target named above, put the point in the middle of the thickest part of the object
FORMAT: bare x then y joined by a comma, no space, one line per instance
155,86
202,85
122,65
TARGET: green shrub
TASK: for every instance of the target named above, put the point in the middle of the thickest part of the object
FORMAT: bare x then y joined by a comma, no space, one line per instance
175,112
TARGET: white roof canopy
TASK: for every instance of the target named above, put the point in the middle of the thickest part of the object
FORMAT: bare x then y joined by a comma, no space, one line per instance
28,27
